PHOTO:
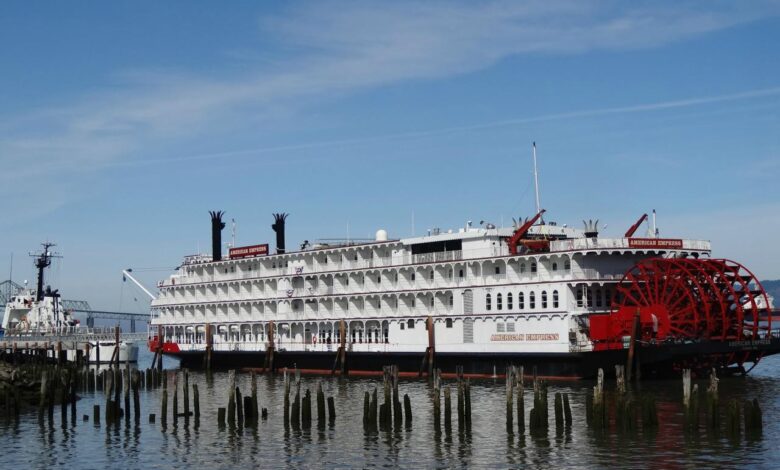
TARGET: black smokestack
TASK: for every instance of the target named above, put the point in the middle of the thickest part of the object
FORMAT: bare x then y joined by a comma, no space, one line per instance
216,234
278,227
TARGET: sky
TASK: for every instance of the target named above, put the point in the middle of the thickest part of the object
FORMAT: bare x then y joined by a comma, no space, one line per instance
123,123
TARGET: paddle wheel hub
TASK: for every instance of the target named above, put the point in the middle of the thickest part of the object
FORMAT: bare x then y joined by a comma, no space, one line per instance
684,300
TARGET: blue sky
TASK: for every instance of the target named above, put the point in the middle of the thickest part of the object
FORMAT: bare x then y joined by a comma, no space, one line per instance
123,123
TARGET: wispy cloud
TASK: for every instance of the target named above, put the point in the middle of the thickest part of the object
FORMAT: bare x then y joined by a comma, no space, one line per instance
333,48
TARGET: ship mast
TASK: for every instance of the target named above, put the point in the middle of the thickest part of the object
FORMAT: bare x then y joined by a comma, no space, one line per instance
42,261
536,182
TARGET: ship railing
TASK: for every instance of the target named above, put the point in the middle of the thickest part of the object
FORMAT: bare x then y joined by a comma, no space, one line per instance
590,273
618,243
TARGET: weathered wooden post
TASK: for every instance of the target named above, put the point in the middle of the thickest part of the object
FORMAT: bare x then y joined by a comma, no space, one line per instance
286,398
397,413
558,412
186,395
331,411
175,399
447,411
306,412
366,410
386,410
373,410
231,408
713,414
136,396
461,404
221,417
296,407
239,407
437,401
567,410
164,406
255,406
509,383
466,404
431,344
519,372
321,406
408,410
599,412
196,403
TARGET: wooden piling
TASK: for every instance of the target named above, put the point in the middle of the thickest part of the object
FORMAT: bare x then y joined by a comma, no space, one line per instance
713,412
164,408
466,404
196,401
733,418
248,418
520,386
437,401
461,404
509,384
599,411
567,410
321,405
175,399
231,407
408,410
239,407
286,398
558,412
221,417
96,414
372,411
331,411
255,410
447,410
306,410
136,395
295,418
186,394
397,413
366,410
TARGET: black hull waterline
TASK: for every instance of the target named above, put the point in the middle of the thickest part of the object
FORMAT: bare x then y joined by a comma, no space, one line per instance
656,361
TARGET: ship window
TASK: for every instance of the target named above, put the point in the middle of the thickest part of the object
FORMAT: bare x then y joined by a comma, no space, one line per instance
555,299
449,274
590,298
448,322
608,297
431,275
498,302
533,266
498,270
356,257
379,279
450,300
598,298
487,302
410,324
521,301
522,267
579,298
403,326
532,300
500,327
544,299
431,301
414,275
567,265
460,274
555,266
509,301
510,327
396,276
414,301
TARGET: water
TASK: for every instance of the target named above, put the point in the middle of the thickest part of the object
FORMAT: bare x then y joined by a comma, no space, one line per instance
34,443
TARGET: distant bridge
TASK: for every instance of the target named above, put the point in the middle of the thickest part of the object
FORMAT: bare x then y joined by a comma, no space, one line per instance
10,288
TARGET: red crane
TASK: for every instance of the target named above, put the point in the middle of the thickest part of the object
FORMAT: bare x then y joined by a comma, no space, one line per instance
634,227
521,232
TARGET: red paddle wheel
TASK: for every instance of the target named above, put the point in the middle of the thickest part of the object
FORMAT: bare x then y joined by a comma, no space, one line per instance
683,300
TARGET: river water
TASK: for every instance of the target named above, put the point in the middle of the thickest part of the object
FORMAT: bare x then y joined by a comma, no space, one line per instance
39,443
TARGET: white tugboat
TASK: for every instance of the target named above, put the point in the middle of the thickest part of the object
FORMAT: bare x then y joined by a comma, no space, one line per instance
38,316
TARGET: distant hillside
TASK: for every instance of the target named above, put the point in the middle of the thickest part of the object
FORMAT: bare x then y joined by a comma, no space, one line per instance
773,288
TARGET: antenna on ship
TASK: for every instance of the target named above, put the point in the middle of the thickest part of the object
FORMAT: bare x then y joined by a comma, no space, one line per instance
43,261
233,234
